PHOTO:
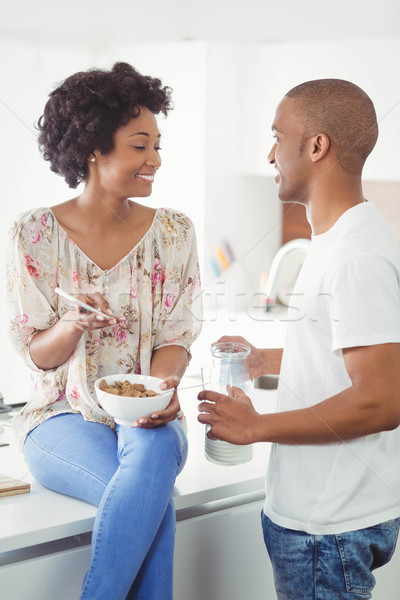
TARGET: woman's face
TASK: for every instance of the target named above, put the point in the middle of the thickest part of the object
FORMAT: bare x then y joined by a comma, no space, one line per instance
129,169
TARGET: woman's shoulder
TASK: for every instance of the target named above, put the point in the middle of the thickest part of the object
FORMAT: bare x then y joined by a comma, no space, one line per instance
174,222
33,225
34,215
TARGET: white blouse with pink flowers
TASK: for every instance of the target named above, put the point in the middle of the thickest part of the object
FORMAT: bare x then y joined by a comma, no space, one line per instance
156,286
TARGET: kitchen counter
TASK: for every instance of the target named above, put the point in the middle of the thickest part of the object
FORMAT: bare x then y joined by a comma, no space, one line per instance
45,536
43,516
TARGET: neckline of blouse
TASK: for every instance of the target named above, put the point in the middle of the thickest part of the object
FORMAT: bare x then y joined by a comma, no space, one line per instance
123,258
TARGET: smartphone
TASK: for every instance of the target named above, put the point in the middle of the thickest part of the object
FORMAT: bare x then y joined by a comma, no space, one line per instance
83,305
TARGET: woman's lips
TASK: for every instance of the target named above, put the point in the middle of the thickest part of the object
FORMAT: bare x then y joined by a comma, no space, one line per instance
145,178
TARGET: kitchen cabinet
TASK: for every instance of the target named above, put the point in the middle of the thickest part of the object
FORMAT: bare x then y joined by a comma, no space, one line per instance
221,555
388,579
53,575
272,69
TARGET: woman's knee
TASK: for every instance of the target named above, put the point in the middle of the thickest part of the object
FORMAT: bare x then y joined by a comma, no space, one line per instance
168,440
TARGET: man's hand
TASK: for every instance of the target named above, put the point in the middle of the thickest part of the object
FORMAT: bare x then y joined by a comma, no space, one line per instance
232,418
261,361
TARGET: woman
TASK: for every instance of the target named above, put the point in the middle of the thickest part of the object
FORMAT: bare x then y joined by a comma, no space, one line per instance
136,264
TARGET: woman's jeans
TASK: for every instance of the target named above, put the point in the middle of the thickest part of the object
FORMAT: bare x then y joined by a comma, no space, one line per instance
129,475
328,567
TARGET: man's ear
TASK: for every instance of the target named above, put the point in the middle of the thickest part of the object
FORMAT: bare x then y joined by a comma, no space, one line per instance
319,147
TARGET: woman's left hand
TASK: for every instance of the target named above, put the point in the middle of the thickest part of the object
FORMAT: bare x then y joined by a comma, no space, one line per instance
161,417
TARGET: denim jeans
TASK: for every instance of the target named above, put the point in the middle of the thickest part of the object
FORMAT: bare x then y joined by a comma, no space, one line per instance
328,567
129,475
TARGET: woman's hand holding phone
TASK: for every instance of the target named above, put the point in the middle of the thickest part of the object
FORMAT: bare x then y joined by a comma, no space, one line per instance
88,321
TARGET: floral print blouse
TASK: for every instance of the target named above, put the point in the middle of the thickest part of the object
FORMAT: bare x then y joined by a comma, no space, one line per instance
156,286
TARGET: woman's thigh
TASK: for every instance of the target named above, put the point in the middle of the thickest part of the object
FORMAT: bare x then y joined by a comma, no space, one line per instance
72,456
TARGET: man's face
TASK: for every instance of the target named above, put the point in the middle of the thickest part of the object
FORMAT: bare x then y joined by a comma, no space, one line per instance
293,178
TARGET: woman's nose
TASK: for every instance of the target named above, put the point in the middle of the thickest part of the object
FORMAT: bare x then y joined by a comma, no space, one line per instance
154,159
271,155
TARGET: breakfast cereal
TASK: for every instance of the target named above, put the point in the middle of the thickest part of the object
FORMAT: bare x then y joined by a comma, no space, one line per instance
125,388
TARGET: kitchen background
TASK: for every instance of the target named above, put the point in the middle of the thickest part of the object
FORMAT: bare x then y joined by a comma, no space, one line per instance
229,63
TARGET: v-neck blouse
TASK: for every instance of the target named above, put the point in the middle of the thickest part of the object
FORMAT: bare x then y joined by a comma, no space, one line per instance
148,232
156,286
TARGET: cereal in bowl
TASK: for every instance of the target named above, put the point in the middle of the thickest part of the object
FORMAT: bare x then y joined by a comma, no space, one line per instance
125,388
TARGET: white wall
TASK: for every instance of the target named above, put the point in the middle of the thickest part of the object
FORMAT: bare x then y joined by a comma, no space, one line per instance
209,20
215,141
273,69
201,172
28,72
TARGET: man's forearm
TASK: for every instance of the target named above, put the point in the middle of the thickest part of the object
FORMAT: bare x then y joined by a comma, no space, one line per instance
345,416
270,361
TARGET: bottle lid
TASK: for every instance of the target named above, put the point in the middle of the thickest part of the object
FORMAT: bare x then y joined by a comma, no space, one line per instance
230,350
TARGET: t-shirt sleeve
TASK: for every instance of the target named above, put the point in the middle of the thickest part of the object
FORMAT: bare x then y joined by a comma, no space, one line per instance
31,269
181,312
365,303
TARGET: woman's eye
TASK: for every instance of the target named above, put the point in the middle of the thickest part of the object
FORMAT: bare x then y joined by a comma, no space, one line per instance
157,148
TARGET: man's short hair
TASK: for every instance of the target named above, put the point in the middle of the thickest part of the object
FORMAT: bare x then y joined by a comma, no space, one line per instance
344,112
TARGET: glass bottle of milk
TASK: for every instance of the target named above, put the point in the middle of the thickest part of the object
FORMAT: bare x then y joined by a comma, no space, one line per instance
230,368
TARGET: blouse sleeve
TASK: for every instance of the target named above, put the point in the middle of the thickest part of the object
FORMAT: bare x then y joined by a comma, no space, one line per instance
31,272
181,310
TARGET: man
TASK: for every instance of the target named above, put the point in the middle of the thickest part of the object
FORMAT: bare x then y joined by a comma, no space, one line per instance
332,507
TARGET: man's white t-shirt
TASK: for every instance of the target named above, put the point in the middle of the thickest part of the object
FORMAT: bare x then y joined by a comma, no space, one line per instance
347,295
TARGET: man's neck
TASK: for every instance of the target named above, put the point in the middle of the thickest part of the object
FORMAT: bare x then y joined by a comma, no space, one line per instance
328,202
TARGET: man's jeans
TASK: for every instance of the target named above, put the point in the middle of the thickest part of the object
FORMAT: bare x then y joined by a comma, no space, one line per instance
328,567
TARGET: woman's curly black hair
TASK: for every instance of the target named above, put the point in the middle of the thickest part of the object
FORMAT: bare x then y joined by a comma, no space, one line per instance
84,112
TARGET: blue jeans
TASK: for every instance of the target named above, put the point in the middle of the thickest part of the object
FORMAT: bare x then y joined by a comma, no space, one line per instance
129,475
328,567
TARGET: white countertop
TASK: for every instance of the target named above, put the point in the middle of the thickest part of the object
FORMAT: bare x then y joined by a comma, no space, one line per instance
44,516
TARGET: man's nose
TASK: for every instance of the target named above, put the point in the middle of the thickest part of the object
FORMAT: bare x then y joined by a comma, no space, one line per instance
271,155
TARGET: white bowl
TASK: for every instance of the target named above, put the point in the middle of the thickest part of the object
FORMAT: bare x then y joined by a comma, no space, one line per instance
126,409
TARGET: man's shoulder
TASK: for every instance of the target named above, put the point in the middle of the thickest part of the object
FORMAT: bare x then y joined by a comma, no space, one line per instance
365,236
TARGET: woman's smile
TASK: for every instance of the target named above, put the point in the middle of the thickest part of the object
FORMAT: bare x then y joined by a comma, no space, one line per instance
146,178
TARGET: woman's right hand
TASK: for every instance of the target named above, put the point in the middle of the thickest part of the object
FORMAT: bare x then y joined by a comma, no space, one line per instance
87,321
51,347
257,366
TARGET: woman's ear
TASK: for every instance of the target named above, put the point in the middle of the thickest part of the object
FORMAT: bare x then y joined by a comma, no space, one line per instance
319,146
